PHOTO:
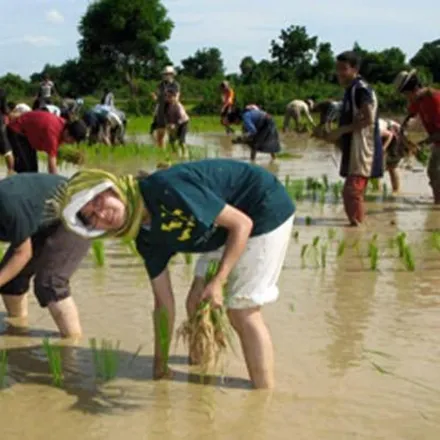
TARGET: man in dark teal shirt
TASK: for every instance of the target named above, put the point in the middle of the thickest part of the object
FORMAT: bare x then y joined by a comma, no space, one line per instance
239,209
40,246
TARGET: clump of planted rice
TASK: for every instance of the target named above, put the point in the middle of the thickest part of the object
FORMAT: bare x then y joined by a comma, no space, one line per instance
207,333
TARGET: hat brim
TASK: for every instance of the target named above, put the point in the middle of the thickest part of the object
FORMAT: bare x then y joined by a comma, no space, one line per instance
77,202
410,75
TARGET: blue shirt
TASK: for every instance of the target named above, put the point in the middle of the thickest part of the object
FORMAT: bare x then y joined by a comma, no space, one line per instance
185,200
252,119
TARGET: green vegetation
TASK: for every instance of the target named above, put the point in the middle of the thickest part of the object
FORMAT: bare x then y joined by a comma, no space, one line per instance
53,353
98,252
3,367
105,359
123,46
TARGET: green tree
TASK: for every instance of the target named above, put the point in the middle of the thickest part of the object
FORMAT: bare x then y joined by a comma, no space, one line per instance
206,63
130,35
428,58
247,67
294,51
325,62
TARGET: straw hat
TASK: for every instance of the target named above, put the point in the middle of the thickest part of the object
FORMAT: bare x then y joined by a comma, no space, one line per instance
169,70
403,77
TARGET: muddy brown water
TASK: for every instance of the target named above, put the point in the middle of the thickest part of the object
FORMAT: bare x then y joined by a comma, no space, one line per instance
357,352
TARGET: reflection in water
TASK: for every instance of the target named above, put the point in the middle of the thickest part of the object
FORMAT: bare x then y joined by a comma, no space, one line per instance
349,318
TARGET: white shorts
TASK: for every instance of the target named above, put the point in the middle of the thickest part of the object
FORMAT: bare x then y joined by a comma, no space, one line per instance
253,280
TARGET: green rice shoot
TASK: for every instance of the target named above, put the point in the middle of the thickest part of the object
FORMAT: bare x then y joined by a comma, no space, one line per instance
98,252
105,359
207,333
53,353
3,367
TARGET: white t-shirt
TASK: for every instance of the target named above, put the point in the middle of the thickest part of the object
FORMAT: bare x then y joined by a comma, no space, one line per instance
53,109
46,89
21,108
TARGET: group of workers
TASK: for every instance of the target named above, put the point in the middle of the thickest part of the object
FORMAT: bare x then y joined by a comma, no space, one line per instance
233,212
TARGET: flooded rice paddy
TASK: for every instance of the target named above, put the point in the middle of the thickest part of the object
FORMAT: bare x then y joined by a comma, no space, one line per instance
357,350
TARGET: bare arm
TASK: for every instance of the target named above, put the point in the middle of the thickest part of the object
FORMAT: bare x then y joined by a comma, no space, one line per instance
22,255
52,165
163,317
405,122
387,137
239,227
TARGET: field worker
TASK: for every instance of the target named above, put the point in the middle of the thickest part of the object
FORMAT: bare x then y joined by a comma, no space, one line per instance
40,247
393,150
168,83
112,124
108,98
5,148
40,131
329,111
259,131
177,122
358,136
46,91
71,107
425,103
238,209
16,110
228,102
55,110
296,109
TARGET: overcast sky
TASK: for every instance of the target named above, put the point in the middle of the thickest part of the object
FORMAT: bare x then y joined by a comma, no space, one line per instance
36,32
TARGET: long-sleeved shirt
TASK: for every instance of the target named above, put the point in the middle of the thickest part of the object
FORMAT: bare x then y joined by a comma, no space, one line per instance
300,108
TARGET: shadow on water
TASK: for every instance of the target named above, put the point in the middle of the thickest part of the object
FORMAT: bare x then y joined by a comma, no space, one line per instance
29,365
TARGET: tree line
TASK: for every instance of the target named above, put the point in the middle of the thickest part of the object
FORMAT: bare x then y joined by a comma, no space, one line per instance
123,47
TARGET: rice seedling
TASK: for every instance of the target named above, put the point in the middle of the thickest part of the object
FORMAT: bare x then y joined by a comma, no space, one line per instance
296,236
341,248
131,246
308,220
53,353
304,250
331,234
375,184
207,333
188,258
324,248
408,258
105,359
322,195
3,367
325,182
164,335
315,249
98,252
373,254
435,240
401,241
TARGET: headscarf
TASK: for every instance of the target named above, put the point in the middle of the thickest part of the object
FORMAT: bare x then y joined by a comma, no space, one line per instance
84,186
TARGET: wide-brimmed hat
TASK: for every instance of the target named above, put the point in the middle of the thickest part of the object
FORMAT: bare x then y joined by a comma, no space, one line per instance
402,78
169,70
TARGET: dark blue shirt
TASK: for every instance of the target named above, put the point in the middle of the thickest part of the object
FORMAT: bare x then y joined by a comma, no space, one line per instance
185,200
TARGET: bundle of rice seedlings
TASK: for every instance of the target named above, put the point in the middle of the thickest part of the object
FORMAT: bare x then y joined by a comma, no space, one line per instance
207,333
71,154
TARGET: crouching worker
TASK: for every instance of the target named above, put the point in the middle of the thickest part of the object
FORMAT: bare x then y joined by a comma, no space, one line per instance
177,122
197,207
40,131
259,131
40,247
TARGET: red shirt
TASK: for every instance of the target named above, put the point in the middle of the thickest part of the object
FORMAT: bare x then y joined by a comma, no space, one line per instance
427,107
42,129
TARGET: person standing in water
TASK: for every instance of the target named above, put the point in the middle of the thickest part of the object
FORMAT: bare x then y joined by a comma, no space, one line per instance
228,102
237,209
177,122
425,103
108,98
46,92
295,110
259,131
357,135
168,83
5,147
40,247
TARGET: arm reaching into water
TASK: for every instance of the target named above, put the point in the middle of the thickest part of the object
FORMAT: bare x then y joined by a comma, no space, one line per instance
163,317
22,255
239,227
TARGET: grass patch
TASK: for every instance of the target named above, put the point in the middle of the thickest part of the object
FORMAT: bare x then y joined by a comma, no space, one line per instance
3,367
